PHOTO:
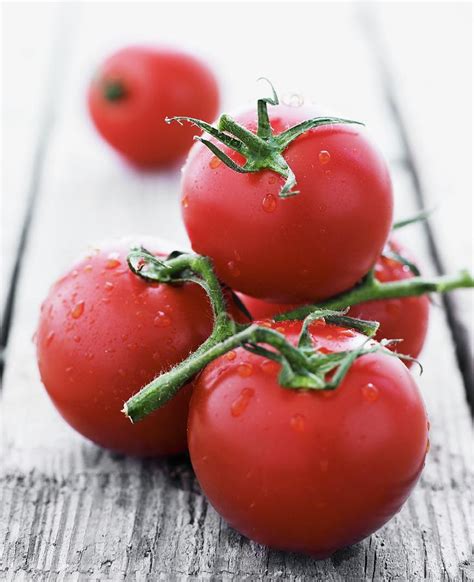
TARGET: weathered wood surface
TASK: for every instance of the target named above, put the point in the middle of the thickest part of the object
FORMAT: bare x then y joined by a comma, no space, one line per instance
71,511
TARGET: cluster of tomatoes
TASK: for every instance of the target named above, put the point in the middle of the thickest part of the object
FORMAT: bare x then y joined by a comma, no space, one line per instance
288,217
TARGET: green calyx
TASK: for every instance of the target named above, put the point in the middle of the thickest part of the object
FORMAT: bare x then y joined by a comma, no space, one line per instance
113,90
263,149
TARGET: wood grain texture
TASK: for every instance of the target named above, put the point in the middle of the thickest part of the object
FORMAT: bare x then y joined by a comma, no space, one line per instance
70,511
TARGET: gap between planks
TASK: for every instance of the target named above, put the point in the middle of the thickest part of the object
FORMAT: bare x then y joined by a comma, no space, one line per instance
58,57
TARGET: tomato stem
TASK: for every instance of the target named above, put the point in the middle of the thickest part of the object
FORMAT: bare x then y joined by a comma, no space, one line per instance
263,149
301,367
370,289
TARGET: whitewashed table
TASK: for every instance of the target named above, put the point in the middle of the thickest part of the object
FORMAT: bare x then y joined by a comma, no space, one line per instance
71,511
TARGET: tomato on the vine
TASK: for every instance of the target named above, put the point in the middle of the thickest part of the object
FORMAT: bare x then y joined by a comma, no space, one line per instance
136,88
404,318
307,470
309,246
103,334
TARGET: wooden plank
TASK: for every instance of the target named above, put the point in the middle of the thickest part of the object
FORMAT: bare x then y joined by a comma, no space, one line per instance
26,119
70,510
432,84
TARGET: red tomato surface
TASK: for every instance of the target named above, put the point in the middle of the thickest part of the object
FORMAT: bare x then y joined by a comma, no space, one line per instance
157,82
307,247
103,334
406,318
305,470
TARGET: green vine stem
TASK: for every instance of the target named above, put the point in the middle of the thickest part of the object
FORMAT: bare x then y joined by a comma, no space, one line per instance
301,366
370,289
263,149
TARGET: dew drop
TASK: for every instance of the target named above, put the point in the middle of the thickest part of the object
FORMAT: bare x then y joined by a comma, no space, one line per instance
230,356
185,201
49,338
233,268
324,157
370,392
162,320
69,370
108,286
272,180
112,261
245,370
270,367
88,268
77,339
297,422
77,310
214,163
240,404
269,203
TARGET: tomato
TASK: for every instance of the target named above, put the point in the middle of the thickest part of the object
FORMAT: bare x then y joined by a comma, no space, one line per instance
136,88
306,247
103,334
306,470
405,318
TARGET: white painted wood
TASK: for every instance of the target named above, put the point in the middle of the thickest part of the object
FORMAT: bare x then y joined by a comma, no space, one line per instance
70,510
26,79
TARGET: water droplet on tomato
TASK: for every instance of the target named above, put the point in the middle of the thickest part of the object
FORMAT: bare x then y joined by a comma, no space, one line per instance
297,422
370,392
88,268
240,404
270,367
272,179
162,319
74,274
112,261
269,203
108,286
77,310
293,100
233,268
156,356
327,172
214,163
185,201
245,370
49,338
324,157
230,356
77,339
69,370
89,356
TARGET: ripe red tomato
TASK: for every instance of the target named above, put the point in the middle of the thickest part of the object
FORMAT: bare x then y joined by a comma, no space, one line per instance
103,334
322,240
136,88
405,318
306,470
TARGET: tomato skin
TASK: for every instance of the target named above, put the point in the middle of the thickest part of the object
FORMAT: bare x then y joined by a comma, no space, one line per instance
406,318
307,471
324,239
103,334
158,82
